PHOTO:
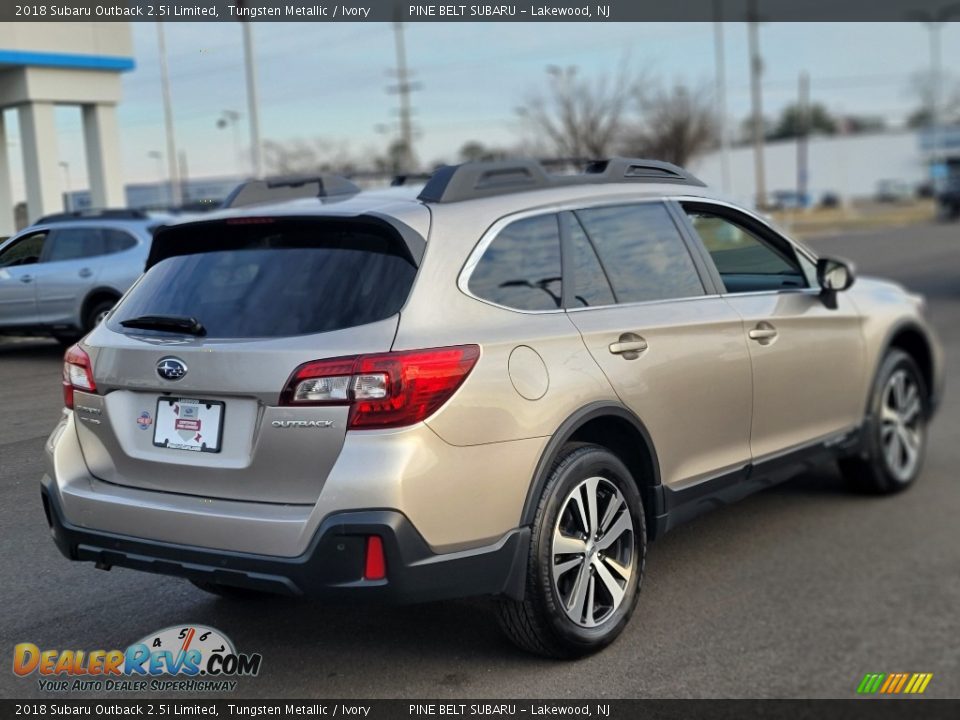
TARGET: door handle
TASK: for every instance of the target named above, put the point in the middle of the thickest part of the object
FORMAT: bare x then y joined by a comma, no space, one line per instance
764,333
26,278
85,272
629,345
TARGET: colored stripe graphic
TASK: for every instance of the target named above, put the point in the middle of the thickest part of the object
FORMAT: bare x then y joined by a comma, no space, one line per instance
894,683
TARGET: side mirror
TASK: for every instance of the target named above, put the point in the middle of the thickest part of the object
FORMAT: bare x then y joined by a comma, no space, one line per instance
834,275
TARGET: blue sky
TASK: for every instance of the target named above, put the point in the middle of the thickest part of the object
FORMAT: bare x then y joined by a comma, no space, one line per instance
328,80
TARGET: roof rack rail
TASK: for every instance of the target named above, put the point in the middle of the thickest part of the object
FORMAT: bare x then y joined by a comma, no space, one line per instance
452,183
94,214
279,189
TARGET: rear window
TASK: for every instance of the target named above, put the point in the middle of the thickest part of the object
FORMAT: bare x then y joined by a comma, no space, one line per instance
272,279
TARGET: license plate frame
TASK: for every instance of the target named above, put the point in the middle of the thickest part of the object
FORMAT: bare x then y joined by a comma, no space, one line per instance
197,417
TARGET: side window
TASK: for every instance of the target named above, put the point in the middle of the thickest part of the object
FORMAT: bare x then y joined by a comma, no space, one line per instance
521,267
746,262
590,284
642,251
117,240
75,243
25,251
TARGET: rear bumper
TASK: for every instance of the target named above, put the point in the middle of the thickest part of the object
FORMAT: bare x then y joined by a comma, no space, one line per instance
332,566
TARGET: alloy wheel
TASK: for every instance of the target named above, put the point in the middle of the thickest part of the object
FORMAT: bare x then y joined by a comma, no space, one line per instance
901,425
593,552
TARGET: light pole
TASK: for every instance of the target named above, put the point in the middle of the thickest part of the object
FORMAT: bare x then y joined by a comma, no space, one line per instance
253,101
230,118
756,95
67,201
721,91
174,175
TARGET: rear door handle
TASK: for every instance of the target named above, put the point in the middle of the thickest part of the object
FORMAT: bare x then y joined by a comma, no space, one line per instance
629,345
26,278
764,333
85,272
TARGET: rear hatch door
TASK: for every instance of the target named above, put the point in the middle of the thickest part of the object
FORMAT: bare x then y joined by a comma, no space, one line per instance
196,409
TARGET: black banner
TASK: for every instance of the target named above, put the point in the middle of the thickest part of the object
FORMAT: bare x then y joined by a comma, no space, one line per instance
460,11
879,709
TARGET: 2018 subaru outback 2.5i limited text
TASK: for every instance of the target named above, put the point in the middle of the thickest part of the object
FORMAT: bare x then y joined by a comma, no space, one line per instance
505,386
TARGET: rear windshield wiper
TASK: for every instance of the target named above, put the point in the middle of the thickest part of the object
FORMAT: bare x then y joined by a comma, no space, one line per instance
169,323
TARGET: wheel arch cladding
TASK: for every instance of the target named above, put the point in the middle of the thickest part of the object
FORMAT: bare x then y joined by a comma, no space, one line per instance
95,296
614,427
913,341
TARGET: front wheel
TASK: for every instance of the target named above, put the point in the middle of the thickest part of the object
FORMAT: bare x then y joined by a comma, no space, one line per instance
588,547
894,448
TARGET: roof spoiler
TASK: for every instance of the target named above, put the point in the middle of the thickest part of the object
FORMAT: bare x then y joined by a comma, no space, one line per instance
279,189
472,180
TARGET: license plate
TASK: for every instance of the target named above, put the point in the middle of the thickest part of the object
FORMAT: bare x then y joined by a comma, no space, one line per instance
188,424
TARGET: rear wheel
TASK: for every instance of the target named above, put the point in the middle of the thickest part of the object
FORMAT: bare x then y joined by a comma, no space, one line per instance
894,449
588,547
96,314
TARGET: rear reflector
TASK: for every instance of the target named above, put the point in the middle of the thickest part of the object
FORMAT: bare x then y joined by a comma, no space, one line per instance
385,390
77,374
375,567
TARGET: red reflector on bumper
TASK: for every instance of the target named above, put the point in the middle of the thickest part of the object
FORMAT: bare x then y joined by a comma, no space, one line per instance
375,567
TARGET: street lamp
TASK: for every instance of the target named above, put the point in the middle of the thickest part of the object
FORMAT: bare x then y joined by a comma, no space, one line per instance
67,201
174,177
934,21
230,118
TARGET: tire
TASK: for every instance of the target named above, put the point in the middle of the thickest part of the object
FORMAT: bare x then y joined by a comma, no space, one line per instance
549,621
95,314
898,415
230,592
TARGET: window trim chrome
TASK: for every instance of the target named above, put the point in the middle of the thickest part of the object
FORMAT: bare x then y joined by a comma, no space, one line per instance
490,234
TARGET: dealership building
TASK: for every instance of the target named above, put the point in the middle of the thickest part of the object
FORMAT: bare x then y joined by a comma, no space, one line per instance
45,65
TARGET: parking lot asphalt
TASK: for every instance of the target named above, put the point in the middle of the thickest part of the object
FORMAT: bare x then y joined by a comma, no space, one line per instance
795,592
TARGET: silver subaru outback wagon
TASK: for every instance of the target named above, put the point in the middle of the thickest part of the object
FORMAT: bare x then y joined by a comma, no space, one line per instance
507,385
63,274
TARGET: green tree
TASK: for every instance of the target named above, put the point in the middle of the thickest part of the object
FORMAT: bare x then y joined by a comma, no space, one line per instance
793,122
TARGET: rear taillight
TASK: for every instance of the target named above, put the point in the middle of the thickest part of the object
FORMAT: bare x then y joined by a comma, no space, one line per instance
386,390
77,374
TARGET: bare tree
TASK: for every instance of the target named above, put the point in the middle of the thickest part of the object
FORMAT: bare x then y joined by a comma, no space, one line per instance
306,156
576,116
675,124
923,88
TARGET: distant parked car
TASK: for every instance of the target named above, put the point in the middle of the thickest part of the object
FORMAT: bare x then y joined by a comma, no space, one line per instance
948,201
893,191
63,274
790,200
830,199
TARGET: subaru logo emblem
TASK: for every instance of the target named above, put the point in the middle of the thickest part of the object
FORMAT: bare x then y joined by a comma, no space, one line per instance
171,368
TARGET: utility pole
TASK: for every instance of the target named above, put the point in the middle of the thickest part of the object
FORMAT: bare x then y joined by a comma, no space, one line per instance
404,87
173,176
756,71
721,92
253,101
803,137
934,21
